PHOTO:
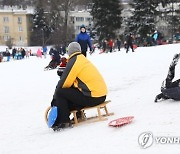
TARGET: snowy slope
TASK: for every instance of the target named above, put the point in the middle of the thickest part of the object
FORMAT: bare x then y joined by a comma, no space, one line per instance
133,81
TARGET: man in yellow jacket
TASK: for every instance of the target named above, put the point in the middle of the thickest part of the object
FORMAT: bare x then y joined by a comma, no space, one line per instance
81,85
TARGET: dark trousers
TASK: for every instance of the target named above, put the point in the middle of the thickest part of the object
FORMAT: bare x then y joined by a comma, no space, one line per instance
110,49
68,99
84,53
131,46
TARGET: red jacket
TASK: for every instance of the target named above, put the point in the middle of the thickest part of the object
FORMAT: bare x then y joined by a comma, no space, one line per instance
110,43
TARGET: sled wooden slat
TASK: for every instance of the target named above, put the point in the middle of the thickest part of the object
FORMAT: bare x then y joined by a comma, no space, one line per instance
100,117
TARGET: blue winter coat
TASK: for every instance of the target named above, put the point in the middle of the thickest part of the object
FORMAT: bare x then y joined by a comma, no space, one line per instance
84,40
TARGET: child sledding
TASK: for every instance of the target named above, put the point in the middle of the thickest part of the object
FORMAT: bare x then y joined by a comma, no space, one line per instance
55,59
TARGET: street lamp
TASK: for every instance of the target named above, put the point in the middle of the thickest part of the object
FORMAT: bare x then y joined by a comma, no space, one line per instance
42,36
172,20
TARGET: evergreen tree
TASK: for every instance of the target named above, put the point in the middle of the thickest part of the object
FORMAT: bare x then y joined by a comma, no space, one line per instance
11,2
47,22
106,18
142,22
177,18
40,25
174,15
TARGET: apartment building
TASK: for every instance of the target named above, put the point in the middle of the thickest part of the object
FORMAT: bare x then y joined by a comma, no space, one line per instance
15,26
78,18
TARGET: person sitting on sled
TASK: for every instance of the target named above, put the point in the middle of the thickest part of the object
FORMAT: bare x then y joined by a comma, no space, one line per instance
81,85
62,66
169,89
55,59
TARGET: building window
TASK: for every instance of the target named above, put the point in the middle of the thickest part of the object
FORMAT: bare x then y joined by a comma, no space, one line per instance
71,20
6,38
88,19
78,27
30,19
79,19
6,29
20,29
6,19
19,20
20,39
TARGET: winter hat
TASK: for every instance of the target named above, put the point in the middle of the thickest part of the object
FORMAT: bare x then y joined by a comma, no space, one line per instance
73,47
83,26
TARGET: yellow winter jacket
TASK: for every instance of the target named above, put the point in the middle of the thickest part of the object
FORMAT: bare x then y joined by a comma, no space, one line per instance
82,74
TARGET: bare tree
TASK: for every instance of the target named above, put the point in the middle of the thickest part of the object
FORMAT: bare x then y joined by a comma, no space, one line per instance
66,6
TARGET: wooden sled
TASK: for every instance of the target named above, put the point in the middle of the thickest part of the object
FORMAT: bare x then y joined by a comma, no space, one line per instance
99,117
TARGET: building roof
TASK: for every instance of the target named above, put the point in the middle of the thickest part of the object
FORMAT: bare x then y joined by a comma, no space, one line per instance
17,10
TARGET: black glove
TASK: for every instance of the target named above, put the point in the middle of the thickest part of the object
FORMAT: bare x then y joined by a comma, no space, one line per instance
60,72
53,102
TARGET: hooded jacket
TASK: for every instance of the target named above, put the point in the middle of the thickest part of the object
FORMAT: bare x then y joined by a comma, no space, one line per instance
84,40
80,73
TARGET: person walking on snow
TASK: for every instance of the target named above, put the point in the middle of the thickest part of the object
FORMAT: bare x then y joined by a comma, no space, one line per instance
155,37
84,40
75,88
118,43
110,44
129,43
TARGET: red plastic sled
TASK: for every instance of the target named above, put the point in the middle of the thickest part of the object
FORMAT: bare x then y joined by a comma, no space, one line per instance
121,121
134,46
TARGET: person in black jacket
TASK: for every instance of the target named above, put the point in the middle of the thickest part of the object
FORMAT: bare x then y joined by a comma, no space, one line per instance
129,42
118,43
169,89
55,59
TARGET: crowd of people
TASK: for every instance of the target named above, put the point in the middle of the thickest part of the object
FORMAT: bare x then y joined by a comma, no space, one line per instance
15,54
87,90
110,45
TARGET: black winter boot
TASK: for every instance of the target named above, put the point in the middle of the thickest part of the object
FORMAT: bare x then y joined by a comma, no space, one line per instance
159,97
62,126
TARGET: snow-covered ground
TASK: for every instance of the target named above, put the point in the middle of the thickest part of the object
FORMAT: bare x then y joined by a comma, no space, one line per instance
133,81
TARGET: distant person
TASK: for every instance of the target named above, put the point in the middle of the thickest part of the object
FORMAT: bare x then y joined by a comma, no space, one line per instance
155,37
104,45
118,43
129,42
110,44
169,89
177,36
14,52
55,59
8,55
39,53
81,85
23,52
84,40
44,51
1,57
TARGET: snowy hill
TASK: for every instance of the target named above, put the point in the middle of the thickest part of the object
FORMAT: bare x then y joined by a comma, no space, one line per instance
133,81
